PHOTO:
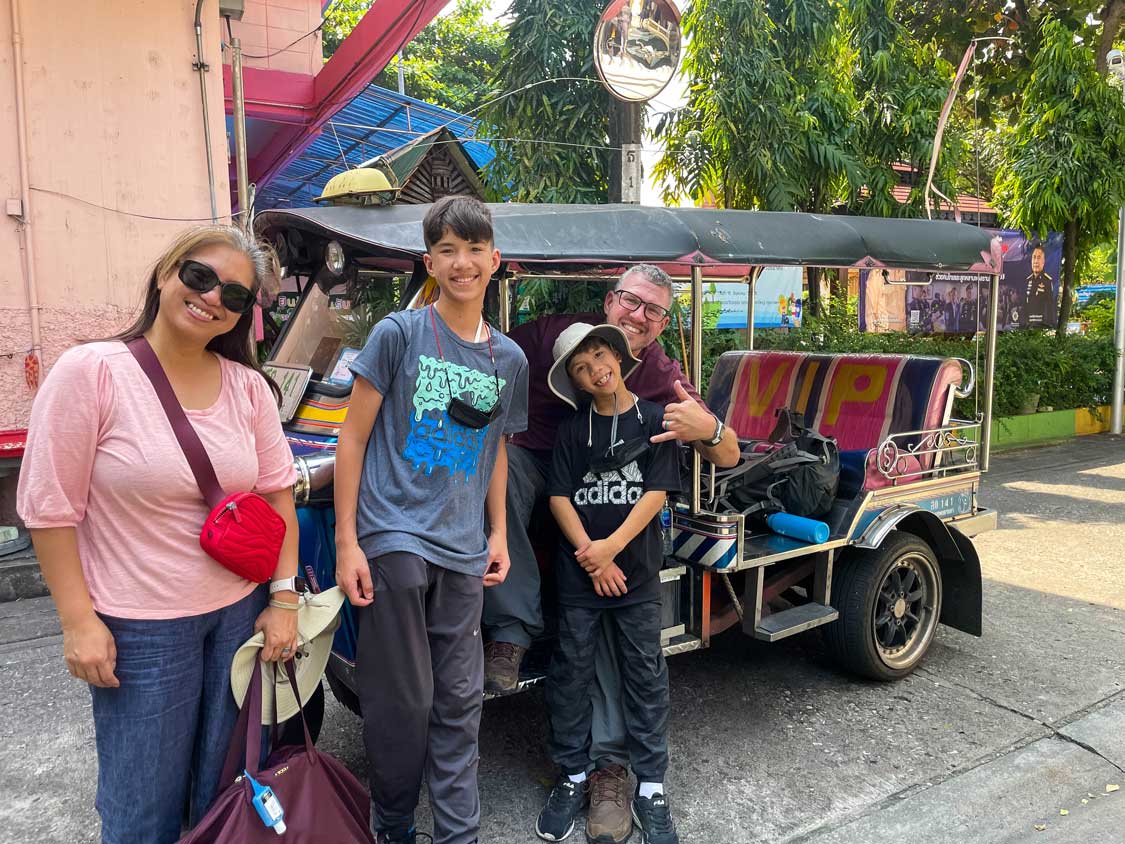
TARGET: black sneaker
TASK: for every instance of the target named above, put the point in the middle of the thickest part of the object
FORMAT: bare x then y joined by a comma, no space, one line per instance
654,819
565,801
400,836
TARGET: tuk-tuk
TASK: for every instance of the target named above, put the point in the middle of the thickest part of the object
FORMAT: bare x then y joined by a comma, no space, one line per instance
897,560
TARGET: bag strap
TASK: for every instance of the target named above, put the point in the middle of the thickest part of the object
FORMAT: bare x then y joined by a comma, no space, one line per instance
186,435
244,751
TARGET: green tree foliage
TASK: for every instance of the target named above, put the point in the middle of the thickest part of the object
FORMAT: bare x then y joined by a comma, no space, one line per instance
450,61
550,119
739,137
1004,67
339,20
901,85
800,104
1065,168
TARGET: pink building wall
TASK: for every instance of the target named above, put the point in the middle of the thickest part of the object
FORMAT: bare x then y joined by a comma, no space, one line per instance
269,27
114,124
114,121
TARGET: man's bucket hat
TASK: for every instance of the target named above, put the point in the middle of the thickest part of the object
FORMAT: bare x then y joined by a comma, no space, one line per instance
317,620
559,380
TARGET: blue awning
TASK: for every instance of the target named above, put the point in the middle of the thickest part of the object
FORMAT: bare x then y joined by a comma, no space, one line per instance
374,123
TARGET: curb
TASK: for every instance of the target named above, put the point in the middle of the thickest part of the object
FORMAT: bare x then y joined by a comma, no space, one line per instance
21,578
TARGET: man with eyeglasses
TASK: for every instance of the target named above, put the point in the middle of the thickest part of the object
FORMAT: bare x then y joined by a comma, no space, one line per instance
640,305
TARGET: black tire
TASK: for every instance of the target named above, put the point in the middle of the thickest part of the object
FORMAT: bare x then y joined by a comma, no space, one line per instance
291,732
889,600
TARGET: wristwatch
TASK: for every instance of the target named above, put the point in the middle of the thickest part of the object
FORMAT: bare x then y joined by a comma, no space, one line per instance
289,584
718,438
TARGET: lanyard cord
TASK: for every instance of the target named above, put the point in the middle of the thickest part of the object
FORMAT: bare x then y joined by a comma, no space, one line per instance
613,426
445,367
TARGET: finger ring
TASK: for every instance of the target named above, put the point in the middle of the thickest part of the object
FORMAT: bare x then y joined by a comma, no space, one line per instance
285,650
664,424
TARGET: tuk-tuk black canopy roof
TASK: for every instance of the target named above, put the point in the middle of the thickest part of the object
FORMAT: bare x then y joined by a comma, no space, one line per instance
601,235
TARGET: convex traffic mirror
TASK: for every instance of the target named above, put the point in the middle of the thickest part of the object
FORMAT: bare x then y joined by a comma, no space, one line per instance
637,47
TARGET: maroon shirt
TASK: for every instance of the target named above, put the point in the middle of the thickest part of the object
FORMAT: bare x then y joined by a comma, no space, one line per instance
653,380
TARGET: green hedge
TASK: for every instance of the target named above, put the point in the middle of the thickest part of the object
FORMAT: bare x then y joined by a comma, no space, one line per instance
1068,372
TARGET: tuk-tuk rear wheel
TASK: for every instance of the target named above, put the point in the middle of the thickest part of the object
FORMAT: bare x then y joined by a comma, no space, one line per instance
889,600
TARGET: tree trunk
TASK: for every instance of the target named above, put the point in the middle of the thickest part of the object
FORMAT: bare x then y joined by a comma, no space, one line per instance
1111,15
838,287
816,307
1070,255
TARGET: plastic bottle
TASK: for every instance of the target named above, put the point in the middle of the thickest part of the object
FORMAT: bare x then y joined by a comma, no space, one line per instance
267,805
666,529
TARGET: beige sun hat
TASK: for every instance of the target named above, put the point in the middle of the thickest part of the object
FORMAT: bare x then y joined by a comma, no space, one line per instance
571,337
317,620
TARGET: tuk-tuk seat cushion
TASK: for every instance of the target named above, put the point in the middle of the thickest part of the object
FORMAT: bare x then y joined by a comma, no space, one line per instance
859,399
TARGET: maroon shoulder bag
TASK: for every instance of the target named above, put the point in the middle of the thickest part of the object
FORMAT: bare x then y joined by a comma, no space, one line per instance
242,531
322,800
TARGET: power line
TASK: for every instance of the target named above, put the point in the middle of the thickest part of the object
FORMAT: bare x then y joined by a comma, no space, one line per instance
120,211
291,44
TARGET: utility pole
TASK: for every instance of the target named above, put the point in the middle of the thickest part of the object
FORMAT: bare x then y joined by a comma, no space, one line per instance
625,133
1116,62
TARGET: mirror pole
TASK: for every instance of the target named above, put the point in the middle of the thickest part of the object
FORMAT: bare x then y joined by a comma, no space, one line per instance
696,370
505,304
750,279
989,371
625,133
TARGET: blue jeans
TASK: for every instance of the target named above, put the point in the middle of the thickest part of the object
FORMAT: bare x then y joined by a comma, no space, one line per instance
162,736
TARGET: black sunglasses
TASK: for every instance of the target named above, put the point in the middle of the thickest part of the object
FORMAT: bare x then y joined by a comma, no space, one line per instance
464,414
201,278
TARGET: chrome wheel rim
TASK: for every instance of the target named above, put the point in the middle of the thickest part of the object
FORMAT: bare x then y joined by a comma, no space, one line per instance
906,611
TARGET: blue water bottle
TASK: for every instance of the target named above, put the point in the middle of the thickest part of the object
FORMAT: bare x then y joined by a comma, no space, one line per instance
268,806
666,529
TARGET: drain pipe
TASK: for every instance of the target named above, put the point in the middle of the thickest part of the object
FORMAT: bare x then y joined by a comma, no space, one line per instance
24,218
201,66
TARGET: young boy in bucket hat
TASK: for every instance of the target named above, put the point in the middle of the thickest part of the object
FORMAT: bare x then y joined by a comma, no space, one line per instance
421,463
607,487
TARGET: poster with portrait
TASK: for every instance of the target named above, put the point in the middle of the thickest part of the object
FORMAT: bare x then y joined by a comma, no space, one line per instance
957,302
1029,284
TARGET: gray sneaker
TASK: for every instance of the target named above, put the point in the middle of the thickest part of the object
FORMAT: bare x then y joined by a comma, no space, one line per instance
502,667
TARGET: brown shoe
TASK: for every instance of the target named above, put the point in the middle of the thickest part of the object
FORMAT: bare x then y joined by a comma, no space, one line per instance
502,667
609,820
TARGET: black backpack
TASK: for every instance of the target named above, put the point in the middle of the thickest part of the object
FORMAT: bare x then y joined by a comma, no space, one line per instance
800,475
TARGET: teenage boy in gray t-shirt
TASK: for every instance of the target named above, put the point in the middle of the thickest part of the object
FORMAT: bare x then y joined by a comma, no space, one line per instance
420,465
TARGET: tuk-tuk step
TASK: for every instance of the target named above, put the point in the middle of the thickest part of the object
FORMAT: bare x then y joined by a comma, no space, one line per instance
794,620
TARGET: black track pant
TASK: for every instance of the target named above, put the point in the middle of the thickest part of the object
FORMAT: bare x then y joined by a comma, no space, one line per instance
644,676
420,678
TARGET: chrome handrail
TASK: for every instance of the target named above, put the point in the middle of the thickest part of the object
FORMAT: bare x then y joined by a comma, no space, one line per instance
952,450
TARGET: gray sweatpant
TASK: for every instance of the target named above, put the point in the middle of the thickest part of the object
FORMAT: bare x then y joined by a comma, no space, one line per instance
420,679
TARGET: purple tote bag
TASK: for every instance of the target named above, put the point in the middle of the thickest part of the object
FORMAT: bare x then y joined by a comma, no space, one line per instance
322,800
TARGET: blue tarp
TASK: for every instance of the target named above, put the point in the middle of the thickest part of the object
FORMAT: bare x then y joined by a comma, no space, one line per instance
374,123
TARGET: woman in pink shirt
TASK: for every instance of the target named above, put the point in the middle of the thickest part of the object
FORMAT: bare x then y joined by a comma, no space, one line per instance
149,620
